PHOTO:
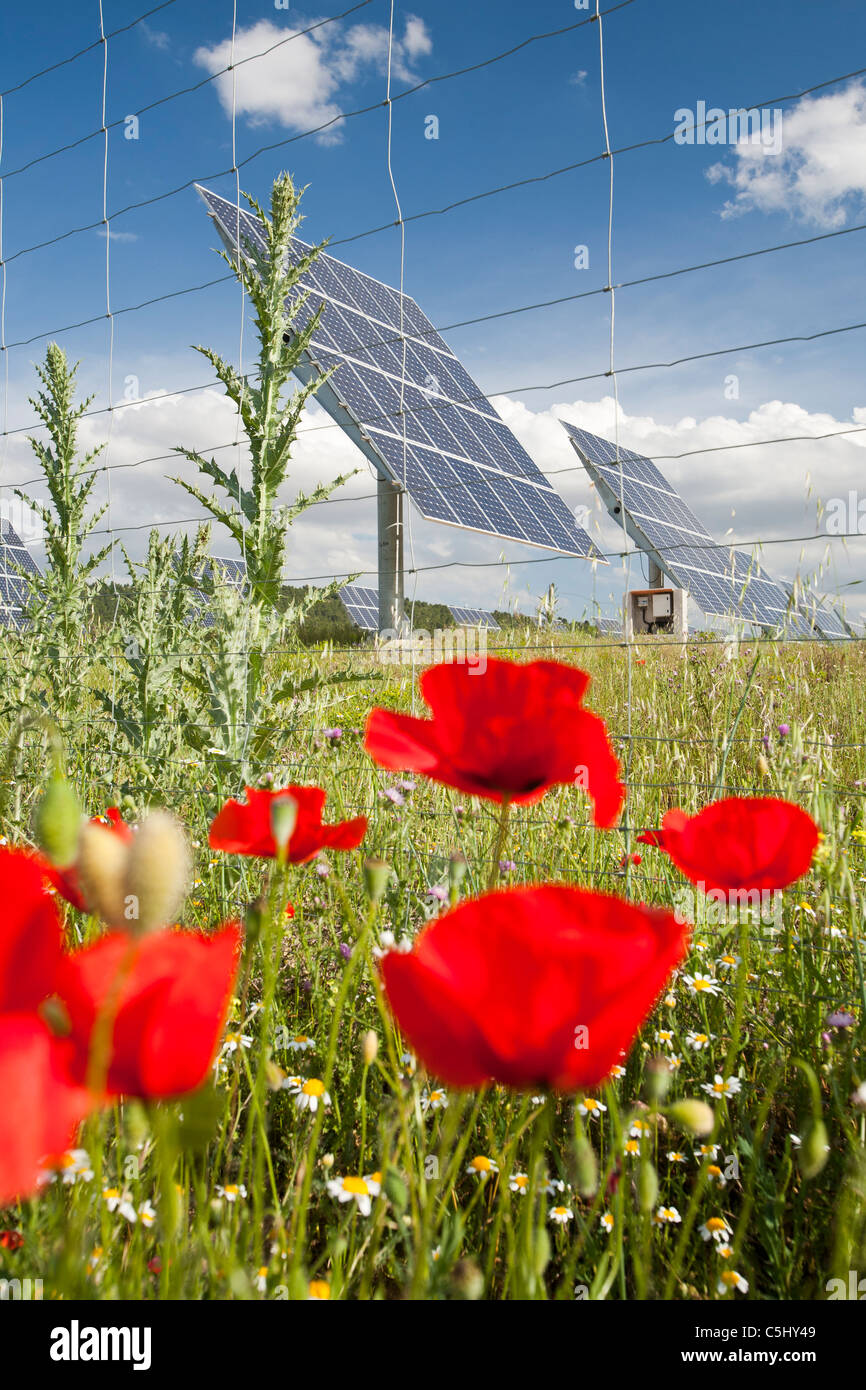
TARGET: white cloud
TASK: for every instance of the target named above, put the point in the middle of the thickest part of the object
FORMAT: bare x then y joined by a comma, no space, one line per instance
750,492
116,236
297,84
819,176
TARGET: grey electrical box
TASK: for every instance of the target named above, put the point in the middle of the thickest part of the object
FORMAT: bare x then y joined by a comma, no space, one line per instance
660,610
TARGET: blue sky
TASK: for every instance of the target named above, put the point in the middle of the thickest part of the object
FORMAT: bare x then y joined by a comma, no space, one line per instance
528,115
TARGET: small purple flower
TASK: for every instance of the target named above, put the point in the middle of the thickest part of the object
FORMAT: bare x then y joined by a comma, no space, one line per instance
766,741
405,785
438,892
333,734
345,951
826,1041
323,870
307,985
507,866
784,730
392,794
840,1019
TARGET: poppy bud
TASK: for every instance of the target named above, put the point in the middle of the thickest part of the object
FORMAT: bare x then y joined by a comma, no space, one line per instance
658,1078
763,765
457,870
694,1115
101,865
370,1047
157,874
376,876
58,822
467,1281
647,1186
284,818
812,1153
586,1168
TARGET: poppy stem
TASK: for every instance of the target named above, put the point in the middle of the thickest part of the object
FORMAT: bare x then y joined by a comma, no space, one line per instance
501,834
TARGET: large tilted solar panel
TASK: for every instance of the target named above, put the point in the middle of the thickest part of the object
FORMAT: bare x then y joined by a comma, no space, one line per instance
721,580
473,617
14,558
362,606
218,570
458,461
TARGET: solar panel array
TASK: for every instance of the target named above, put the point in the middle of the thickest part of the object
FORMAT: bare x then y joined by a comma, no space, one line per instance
14,558
425,420
362,606
721,580
217,570
473,617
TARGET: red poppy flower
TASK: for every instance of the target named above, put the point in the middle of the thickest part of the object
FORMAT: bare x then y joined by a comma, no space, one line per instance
741,843
651,837
508,733
173,994
11,1240
245,827
532,986
66,880
41,1102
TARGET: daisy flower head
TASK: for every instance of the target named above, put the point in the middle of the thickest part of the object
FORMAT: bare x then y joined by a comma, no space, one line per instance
233,1192
715,1228
701,984
301,1043
727,962
311,1095
640,1129
631,1148
676,1156
233,1042
617,1071
554,1187
519,1183
667,1216
698,1041
707,1151
605,1221
147,1214
261,1280
482,1167
353,1189
117,1201
434,1100
731,1279
591,1107
665,1037
720,1087
715,1174
561,1215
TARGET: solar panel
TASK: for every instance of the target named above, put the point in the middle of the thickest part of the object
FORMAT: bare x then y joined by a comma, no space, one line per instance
473,617
433,432
610,627
721,580
220,571
16,563
362,606
818,611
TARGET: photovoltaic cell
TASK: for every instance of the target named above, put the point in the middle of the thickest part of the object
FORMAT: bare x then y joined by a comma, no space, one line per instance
818,612
16,563
429,427
473,617
362,606
721,580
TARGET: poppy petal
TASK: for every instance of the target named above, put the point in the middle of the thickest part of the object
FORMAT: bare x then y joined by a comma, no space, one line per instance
41,1106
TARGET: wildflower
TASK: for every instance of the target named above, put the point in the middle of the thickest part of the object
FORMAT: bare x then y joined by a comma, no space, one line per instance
72,1166
561,1215
353,1189
742,843
724,1251
706,1151
561,955
245,827
261,1279
554,1186
698,1041
715,1174
665,1037
676,1156
617,1071
482,1167
66,881
519,1183
147,1214
434,1100
301,1043
311,1094
667,1216
115,1200
233,1192
715,1228
591,1107
11,1240
606,1222
701,984
730,1279
233,1042
631,1148
640,1129
728,962
319,1291
720,1087
508,733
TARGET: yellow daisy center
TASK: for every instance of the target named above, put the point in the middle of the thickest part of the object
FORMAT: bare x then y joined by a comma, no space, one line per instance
715,1223
314,1087
356,1186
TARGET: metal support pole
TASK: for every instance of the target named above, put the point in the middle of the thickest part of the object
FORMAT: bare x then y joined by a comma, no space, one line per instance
656,578
390,519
